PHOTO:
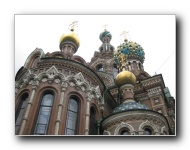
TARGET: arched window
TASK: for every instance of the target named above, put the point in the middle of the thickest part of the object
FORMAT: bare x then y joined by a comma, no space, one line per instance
72,116
124,131
147,131
99,67
44,114
36,60
115,71
20,112
93,130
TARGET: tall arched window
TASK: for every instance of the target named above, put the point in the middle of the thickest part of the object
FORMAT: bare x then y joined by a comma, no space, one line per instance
115,71
44,114
72,117
93,130
36,60
20,112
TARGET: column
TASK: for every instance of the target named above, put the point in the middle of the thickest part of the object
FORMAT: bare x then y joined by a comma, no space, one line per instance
25,118
87,116
60,107
132,67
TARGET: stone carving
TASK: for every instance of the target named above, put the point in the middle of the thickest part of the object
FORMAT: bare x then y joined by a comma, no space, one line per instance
79,77
147,123
52,72
57,80
124,125
71,83
44,79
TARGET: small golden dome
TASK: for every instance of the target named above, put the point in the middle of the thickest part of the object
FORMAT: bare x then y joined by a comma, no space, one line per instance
70,37
125,77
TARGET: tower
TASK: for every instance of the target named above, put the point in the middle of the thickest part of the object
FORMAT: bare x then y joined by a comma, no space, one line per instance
102,62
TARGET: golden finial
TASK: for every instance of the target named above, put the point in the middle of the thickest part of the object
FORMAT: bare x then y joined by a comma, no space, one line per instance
72,25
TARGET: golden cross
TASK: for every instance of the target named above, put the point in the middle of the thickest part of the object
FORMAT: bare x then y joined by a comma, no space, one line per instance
123,61
105,27
124,34
72,25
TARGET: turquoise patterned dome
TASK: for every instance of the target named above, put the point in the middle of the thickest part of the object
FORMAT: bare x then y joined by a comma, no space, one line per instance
129,106
105,33
132,49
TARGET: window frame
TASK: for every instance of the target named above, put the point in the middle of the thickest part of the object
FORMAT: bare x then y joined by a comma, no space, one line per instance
77,100
148,128
24,98
124,129
90,123
39,111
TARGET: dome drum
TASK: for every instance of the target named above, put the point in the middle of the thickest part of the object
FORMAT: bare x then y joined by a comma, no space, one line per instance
70,38
72,45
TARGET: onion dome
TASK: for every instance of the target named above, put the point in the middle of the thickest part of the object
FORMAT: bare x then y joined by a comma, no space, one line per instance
105,34
125,77
130,106
70,37
132,49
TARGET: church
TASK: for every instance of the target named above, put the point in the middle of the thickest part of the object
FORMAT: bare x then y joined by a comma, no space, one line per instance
59,93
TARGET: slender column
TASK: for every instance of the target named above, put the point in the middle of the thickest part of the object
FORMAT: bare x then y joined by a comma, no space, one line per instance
132,66
87,116
60,107
25,118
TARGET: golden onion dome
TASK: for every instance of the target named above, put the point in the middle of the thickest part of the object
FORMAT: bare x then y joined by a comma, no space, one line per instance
125,77
70,37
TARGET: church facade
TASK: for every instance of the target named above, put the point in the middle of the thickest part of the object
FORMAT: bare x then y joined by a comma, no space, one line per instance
59,93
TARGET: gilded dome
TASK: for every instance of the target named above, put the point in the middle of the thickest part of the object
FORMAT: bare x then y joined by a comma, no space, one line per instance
125,77
70,37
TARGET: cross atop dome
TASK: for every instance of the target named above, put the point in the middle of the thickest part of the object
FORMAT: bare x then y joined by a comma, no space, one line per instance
73,25
125,35
105,27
